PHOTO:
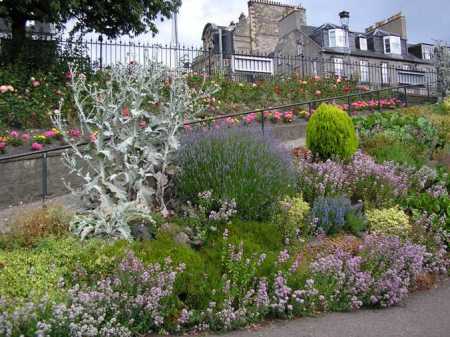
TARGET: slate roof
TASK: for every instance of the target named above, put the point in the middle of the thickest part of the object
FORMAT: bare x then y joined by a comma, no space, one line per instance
311,30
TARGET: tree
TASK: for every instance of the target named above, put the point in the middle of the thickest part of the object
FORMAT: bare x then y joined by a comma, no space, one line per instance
111,18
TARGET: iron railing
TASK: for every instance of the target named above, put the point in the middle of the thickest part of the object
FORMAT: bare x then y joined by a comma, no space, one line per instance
400,93
375,73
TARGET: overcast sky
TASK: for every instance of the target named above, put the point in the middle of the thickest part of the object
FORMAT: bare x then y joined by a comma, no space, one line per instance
427,20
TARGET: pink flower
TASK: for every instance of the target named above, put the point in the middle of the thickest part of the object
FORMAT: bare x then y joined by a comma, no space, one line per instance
277,116
250,118
69,75
2,146
318,93
75,133
14,134
35,83
288,116
3,89
125,112
187,127
25,137
37,146
142,124
50,134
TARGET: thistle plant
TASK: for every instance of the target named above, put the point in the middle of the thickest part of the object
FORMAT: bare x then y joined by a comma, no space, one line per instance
132,122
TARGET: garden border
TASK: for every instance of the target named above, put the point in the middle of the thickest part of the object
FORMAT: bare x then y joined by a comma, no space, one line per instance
44,154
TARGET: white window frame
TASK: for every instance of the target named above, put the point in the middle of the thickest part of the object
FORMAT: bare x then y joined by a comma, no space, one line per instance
384,73
362,45
364,70
314,68
338,66
395,45
337,38
427,53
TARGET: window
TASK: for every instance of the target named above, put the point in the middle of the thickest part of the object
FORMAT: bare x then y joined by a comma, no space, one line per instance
339,67
364,69
384,73
299,49
427,53
392,45
337,38
362,43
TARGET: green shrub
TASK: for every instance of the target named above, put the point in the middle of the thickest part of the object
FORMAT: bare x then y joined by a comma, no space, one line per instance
292,217
330,133
239,164
384,148
390,221
25,272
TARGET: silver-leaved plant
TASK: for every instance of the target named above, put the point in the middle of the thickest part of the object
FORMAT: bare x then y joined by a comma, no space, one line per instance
132,122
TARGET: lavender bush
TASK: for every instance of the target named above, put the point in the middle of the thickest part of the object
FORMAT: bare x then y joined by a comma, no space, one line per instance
239,164
331,215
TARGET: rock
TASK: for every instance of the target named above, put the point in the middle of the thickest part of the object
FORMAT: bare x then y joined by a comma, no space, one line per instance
182,238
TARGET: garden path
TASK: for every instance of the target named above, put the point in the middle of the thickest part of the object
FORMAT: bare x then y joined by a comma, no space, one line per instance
424,314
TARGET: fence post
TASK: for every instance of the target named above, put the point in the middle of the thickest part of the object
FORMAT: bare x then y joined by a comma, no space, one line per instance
209,61
406,97
44,178
349,108
303,67
100,39
262,121
379,100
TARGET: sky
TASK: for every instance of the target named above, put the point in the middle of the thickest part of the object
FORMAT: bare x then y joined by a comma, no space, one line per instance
427,20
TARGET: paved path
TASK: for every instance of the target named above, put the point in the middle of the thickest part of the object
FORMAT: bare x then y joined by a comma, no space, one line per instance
424,314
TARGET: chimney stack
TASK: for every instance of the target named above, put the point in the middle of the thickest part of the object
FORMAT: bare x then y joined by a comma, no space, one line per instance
345,19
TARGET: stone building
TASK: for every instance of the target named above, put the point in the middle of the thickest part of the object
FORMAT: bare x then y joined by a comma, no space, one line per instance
274,38
257,33
380,55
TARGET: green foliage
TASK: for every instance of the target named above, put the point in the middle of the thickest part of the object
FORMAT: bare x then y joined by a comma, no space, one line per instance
402,137
237,164
390,221
384,147
36,94
33,272
292,217
330,133
234,96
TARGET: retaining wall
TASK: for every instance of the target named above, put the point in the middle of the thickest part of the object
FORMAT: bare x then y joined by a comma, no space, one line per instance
21,180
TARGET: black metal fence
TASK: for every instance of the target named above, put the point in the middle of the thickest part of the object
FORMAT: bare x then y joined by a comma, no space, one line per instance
374,73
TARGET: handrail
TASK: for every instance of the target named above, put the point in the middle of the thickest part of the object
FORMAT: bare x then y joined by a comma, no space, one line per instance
210,119
302,103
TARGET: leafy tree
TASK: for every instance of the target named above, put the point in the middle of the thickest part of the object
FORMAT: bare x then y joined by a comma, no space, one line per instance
111,18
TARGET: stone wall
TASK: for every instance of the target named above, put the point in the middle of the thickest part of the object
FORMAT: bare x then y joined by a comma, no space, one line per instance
22,180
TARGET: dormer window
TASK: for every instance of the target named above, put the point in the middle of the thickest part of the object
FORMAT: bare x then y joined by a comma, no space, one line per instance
338,38
392,45
362,43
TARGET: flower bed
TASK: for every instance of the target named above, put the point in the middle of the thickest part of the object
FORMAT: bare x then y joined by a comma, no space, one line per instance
270,237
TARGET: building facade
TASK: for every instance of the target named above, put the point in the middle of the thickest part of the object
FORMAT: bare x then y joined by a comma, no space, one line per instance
275,39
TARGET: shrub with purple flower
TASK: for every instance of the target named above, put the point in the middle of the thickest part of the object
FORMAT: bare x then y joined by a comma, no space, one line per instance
361,179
